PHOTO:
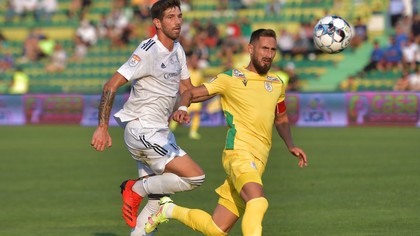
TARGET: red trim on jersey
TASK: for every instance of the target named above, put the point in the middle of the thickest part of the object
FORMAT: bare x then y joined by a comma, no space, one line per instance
281,107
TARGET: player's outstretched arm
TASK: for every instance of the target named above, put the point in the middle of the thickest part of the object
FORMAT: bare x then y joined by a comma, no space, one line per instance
101,138
283,129
181,115
187,85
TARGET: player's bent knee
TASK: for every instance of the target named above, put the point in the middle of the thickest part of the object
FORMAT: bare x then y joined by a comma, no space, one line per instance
259,205
195,181
213,230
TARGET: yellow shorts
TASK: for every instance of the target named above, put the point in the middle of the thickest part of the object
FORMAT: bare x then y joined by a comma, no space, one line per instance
241,167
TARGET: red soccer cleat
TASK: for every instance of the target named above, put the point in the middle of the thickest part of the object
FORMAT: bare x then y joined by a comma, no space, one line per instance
131,202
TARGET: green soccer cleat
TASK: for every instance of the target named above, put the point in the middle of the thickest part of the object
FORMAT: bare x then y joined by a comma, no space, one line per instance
159,217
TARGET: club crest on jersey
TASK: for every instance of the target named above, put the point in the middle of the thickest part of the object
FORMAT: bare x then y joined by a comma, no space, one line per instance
268,86
134,60
238,73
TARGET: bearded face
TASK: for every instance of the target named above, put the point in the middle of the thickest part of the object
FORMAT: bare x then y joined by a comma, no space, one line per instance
263,52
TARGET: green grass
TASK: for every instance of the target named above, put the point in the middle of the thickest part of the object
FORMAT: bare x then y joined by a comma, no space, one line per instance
360,181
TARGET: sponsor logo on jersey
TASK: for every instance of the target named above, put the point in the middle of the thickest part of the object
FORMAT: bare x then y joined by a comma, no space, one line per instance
134,60
245,82
170,75
212,79
238,73
268,86
270,78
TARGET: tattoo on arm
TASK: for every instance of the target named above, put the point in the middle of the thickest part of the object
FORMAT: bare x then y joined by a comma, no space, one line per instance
105,107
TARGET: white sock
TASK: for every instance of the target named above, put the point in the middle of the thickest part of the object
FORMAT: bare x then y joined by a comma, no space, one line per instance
167,183
139,189
169,209
150,208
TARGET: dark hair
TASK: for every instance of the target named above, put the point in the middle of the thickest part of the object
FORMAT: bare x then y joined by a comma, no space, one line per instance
262,33
160,6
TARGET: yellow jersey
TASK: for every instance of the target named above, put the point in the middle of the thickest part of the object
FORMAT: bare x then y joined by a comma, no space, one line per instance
249,103
196,79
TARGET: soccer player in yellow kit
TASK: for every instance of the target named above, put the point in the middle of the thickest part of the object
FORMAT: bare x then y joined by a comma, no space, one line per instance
253,99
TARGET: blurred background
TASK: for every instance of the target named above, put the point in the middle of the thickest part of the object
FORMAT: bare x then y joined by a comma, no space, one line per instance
73,46
56,47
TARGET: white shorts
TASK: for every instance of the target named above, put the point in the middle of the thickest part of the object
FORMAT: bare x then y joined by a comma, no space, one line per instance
151,148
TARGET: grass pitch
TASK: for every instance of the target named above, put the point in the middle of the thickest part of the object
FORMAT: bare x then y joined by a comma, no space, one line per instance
360,181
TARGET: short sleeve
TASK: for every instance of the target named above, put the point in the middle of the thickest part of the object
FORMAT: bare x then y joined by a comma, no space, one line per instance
217,85
137,66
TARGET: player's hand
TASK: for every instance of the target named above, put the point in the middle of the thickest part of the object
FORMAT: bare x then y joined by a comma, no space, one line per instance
101,139
181,117
300,154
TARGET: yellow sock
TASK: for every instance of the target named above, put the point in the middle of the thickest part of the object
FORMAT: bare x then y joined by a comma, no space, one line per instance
253,216
197,220
195,123
173,125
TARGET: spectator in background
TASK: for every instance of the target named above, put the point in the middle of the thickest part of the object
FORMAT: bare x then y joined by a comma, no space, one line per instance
4,44
7,60
396,11
301,45
349,85
213,37
10,11
20,82
119,25
400,36
141,9
246,30
80,49
201,50
402,83
414,79
285,43
46,9
31,51
273,7
123,36
293,83
415,25
411,54
393,55
405,25
78,8
377,61
46,47
23,8
306,31
186,6
360,34
103,27
58,60
87,33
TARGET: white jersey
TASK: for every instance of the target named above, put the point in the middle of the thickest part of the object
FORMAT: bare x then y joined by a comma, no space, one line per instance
155,73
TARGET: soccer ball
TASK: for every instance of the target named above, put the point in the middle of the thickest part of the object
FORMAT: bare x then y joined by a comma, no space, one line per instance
332,34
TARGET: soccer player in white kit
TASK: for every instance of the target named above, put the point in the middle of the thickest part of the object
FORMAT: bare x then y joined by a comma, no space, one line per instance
158,72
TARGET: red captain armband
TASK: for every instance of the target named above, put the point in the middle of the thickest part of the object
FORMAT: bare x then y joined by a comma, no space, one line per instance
281,107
